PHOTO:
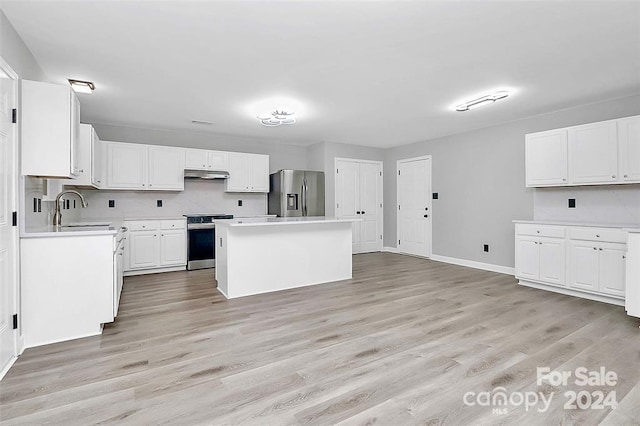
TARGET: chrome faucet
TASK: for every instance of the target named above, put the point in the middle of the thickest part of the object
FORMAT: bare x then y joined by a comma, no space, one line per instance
57,216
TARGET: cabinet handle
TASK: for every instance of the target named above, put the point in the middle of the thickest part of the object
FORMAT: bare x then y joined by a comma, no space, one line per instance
613,176
595,248
564,180
624,257
155,235
162,235
426,215
597,236
626,176
81,170
600,249
537,232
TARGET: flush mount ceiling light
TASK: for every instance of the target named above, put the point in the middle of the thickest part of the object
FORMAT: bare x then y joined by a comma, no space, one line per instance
482,101
276,118
80,86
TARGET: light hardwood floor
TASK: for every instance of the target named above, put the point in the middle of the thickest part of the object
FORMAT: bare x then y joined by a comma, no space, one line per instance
400,343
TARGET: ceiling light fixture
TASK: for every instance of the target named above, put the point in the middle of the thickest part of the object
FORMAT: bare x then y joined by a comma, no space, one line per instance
80,86
482,101
276,118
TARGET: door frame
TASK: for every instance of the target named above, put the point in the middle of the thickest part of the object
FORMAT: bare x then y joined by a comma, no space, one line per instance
18,338
430,224
380,193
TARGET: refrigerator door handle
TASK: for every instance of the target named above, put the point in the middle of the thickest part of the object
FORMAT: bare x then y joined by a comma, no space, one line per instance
304,197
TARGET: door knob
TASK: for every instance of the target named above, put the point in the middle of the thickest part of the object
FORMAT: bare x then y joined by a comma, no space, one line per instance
362,212
426,208
426,215
357,212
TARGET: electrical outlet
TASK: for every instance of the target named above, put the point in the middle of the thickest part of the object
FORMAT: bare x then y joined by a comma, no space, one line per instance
158,203
74,204
435,195
239,203
486,248
112,203
572,203
66,203
35,205
39,205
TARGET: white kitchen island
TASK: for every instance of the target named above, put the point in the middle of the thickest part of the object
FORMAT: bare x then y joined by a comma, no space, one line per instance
261,255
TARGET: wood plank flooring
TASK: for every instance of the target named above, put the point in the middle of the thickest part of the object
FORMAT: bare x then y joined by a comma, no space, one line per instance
399,344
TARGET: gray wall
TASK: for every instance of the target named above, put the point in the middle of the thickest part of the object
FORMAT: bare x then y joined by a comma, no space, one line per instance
16,54
480,179
282,156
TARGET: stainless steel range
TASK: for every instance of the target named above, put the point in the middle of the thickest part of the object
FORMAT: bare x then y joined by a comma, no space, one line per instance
201,237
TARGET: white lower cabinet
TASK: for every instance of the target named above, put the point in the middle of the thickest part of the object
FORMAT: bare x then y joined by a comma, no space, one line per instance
155,244
593,259
541,259
598,267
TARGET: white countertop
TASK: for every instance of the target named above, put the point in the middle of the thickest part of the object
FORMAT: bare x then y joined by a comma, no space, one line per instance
624,227
268,221
52,231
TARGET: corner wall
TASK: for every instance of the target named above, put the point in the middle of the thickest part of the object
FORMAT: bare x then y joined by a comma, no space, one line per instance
479,177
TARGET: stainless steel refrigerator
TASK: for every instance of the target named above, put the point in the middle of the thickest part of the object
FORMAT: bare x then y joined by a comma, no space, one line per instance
296,193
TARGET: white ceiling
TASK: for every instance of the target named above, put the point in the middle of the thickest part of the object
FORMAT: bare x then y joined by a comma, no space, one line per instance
369,73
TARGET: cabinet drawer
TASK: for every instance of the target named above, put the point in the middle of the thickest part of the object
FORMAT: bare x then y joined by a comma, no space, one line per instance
540,230
173,224
142,225
598,234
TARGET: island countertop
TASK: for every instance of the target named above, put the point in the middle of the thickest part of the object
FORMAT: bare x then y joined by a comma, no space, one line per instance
271,221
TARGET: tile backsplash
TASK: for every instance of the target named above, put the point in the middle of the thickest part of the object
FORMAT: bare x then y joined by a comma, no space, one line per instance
198,197
606,204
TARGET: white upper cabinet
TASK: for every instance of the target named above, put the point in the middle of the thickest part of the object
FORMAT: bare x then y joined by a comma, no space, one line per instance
50,130
201,159
166,168
98,162
593,153
144,167
248,173
126,166
88,158
629,149
546,158
603,153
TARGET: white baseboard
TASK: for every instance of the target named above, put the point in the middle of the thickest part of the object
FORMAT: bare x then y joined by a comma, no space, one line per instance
571,292
472,264
134,272
390,249
8,367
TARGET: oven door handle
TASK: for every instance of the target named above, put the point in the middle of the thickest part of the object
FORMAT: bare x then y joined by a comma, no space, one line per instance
200,226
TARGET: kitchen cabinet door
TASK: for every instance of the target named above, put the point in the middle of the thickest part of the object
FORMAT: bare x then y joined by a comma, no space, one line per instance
166,168
258,172
546,158
218,160
238,173
88,158
50,120
126,166
552,260
196,159
98,163
143,249
593,153
612,268
173,247
629,149
583,265
527,257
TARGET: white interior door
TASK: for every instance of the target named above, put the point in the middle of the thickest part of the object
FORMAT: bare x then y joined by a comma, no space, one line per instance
347,177
414,206
8,232
370,201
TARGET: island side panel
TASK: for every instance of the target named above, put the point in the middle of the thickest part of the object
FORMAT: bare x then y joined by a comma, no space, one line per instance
263,259
61,303
222,271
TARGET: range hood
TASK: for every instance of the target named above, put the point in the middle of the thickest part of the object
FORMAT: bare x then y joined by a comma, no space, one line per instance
205,174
